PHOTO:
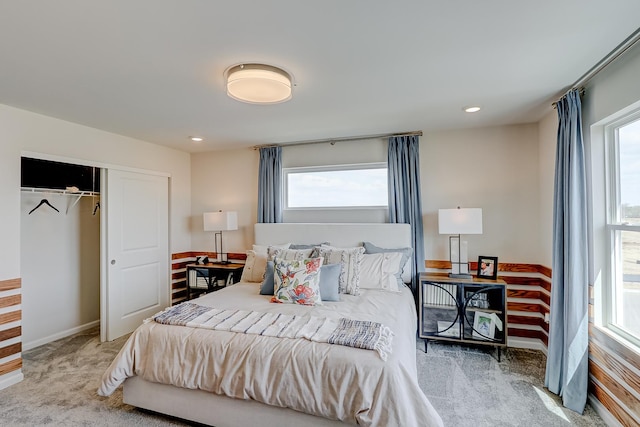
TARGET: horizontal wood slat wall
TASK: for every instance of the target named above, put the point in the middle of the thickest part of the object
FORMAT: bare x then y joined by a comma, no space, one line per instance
10,329
614,375
179,263
528,296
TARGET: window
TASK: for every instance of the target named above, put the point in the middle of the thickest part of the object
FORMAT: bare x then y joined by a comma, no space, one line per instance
623,225
346,186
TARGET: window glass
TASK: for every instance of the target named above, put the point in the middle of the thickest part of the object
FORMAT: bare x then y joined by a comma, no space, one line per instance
629,146
624,225
330,187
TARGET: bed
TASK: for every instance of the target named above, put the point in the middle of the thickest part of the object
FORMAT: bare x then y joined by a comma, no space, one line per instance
224,378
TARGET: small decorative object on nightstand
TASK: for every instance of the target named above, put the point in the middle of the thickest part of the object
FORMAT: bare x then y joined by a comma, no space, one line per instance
462,310
210,277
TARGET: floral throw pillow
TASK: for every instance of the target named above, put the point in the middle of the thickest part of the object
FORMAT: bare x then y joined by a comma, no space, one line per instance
297,281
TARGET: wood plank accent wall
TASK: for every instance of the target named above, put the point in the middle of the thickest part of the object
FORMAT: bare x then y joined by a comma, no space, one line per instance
528,296
614,375
179,263
10,329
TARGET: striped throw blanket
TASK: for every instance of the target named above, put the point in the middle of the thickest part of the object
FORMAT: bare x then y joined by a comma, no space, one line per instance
353,333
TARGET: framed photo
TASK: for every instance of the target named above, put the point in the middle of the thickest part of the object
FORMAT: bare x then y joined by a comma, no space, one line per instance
487,267
484,326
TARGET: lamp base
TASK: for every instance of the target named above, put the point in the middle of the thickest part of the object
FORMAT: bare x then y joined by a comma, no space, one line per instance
460,276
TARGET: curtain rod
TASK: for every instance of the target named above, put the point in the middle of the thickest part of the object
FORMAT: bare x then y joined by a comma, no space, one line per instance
332,141
616,53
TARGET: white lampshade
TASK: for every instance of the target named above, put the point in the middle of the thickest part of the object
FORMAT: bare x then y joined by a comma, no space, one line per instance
220,221
258,84
460,221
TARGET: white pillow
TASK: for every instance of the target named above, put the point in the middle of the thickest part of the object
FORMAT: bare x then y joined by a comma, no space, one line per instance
288,254
378,271
254,267
262,249
256,262
349,259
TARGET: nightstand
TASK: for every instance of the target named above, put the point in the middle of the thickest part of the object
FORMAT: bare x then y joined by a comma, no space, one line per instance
204,278
469,311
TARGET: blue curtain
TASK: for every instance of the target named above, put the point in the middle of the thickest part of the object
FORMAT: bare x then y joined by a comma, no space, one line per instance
270,185
405,205
567,369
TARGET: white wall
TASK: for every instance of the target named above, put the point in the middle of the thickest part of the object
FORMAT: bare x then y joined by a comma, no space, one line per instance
492,168
60,259
22,131
495,169
224,180
548,130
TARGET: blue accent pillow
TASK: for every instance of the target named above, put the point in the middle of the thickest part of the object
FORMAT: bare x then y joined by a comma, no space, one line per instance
329,283
267,286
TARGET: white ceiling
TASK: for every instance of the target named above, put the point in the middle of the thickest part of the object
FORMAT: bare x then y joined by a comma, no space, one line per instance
153,69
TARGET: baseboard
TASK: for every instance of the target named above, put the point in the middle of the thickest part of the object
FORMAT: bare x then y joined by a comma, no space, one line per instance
530,343
604,413
58,335
11,379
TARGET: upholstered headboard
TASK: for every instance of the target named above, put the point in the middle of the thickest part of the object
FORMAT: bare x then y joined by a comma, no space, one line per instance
337,234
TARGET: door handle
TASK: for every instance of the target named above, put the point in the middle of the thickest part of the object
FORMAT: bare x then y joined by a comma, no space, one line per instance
113,262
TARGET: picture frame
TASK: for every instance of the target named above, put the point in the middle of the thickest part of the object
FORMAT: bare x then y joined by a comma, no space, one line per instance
487,267
484,326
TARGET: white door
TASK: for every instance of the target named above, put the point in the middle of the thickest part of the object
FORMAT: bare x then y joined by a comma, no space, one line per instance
136,283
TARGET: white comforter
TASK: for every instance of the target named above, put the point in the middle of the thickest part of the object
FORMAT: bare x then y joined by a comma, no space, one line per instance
331,381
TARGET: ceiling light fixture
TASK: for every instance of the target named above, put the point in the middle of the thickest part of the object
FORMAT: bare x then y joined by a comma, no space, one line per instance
196,138
258,84
472,109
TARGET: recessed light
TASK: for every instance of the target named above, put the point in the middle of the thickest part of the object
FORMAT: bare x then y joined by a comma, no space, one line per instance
195,138
471,109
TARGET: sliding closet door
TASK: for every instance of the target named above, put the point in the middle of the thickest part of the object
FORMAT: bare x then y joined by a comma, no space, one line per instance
136,283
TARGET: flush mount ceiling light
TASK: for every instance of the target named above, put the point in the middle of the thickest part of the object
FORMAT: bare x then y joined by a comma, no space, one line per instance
196,138
471,109
258,84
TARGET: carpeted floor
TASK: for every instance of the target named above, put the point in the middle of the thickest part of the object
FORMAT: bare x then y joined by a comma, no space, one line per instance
467,386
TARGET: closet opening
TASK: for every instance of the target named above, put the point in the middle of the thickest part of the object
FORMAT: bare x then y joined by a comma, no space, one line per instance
60,249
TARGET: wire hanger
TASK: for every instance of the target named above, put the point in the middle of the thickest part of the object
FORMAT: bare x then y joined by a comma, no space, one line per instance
43,202
95,209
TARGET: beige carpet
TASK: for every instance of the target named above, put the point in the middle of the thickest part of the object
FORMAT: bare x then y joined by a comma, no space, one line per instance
466,385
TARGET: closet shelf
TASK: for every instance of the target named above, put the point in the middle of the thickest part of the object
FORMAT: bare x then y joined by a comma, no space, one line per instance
77,194
80,193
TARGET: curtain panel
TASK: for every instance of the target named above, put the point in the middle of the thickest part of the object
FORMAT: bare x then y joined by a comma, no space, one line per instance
270,185
405,205
567,359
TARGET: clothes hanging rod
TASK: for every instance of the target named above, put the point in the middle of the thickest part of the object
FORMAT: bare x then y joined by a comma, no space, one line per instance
332,141
38,190
616,53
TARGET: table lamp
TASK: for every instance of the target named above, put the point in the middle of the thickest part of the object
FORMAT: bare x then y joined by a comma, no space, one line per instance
457,222
220,221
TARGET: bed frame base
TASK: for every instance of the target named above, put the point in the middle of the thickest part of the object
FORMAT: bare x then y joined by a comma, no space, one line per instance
212,409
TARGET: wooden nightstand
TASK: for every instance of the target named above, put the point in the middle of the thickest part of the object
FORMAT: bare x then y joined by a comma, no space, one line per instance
204,278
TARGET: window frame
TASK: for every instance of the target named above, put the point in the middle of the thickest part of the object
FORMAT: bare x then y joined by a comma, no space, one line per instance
614,226
329,168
